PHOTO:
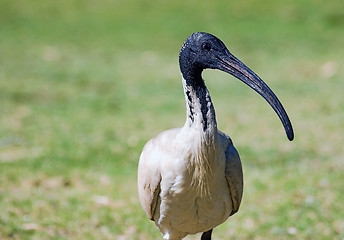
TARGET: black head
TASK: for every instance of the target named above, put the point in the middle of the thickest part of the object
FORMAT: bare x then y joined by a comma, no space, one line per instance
203,50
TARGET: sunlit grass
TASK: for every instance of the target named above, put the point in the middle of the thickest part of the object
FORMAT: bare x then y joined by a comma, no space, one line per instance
85,84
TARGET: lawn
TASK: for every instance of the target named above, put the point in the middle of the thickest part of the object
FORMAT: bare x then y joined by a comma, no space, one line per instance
85,84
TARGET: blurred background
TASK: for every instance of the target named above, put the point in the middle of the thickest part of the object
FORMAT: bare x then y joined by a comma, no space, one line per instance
85,84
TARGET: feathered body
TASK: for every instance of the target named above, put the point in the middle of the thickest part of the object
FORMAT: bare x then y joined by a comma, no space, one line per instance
190,179
188,188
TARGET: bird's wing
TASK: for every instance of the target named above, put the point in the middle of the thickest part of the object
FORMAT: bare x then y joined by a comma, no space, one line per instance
234,176
149,178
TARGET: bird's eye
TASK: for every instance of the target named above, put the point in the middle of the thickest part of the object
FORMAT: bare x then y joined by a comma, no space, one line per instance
206,46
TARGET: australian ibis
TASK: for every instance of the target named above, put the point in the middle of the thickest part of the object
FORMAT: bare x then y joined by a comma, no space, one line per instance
190,179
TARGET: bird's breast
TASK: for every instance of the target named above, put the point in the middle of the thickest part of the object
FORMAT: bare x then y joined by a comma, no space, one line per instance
184,207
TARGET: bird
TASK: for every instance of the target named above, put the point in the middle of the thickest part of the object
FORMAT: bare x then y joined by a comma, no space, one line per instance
190,179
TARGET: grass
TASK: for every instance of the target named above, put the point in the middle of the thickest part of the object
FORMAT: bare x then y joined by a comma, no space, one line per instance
84,84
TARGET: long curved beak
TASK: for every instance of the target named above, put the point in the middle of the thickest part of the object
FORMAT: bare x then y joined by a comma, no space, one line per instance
230,64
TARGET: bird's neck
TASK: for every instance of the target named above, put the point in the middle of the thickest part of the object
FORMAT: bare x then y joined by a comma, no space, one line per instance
202,133
199,107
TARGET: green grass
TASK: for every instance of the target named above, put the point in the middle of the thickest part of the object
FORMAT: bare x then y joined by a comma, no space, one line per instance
84,84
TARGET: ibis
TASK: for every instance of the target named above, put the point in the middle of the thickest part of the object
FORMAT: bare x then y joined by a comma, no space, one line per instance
190,179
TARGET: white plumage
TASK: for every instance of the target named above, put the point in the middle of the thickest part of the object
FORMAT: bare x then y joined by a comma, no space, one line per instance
190,179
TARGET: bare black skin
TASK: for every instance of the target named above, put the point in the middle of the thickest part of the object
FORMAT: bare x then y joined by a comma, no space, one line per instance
203,50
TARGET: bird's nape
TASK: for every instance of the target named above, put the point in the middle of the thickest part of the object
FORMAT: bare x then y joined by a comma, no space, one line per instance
203,50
